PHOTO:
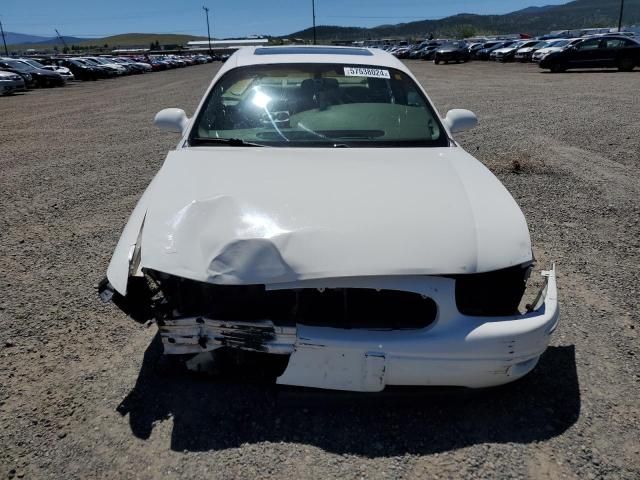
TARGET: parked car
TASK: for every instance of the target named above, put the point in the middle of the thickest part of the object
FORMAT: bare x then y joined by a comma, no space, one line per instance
135,67
116,68
485,52
79,69
10,82
474,48
32,76
553,46
609,51
525,54
64,72
429,52
452,52
291,254
507,54
102,71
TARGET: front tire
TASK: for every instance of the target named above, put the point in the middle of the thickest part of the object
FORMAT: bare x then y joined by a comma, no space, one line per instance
626,64
436,61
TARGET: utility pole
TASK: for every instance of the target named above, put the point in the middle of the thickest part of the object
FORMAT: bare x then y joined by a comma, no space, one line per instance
61,39
313,12
6,52
620,20
208,31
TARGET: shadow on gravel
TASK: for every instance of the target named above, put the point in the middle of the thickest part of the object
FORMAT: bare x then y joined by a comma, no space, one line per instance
588,71
215,415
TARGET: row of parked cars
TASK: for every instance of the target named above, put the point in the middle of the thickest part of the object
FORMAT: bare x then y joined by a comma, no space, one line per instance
620,50
20,74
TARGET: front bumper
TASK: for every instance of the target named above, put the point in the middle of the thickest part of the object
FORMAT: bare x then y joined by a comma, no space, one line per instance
456,350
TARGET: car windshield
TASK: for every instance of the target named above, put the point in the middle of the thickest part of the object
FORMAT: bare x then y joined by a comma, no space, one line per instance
34,63
317,105
17,65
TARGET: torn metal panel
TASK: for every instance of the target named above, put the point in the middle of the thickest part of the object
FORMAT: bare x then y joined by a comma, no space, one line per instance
200,334
226,227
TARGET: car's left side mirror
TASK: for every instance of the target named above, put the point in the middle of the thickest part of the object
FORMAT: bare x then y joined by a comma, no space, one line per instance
460,120
171,119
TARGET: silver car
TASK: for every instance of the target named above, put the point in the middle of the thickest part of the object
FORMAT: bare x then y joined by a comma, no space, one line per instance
10,82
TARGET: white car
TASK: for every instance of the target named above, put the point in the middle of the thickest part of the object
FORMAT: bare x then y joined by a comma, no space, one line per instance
553,46
64,72
318,214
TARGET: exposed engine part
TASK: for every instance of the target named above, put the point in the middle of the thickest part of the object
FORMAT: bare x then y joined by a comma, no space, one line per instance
332,307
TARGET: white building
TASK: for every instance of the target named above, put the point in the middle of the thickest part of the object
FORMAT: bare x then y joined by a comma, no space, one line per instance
223,44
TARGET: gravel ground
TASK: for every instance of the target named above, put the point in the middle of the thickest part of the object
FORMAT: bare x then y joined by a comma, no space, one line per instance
80,392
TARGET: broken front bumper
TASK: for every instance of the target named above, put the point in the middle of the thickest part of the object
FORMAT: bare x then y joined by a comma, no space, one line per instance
456,350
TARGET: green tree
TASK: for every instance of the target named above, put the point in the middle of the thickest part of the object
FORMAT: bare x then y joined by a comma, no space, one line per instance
464,31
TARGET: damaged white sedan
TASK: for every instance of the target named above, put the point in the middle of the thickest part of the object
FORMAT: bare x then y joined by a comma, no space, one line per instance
318,211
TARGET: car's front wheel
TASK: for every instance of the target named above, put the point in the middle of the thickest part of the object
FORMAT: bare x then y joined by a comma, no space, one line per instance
436,61
626,64
558,68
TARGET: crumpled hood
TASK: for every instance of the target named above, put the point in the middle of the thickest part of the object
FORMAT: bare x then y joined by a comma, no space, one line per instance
234,215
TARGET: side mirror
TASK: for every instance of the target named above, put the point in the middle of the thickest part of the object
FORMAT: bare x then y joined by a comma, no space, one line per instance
460,120
171,119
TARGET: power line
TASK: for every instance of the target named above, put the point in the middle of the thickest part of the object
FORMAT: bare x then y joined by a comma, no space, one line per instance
313,12
61,39
620,20
6,52
208,31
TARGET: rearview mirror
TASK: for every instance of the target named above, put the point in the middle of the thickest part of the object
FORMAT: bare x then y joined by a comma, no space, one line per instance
460,120
171,119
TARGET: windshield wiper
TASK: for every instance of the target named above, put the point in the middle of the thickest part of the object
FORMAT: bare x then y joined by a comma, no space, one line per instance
234,142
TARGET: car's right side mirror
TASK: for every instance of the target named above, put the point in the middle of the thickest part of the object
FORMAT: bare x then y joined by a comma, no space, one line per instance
171,119
460,120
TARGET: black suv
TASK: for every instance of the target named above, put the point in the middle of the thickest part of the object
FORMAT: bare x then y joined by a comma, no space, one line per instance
609,51
452,52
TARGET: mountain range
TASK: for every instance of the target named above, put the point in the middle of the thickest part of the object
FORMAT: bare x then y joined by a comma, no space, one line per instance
532,20
13,38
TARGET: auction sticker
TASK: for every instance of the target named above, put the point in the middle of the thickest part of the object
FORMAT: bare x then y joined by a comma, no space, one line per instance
366,72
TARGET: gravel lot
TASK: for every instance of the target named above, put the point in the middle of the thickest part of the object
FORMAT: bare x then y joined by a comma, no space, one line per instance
80,392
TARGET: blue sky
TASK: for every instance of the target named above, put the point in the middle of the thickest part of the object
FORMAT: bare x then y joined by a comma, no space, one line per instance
87,18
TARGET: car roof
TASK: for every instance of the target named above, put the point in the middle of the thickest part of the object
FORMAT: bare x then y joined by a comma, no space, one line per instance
314,54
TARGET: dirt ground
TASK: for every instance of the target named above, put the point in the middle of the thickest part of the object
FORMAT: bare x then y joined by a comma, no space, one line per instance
81,395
